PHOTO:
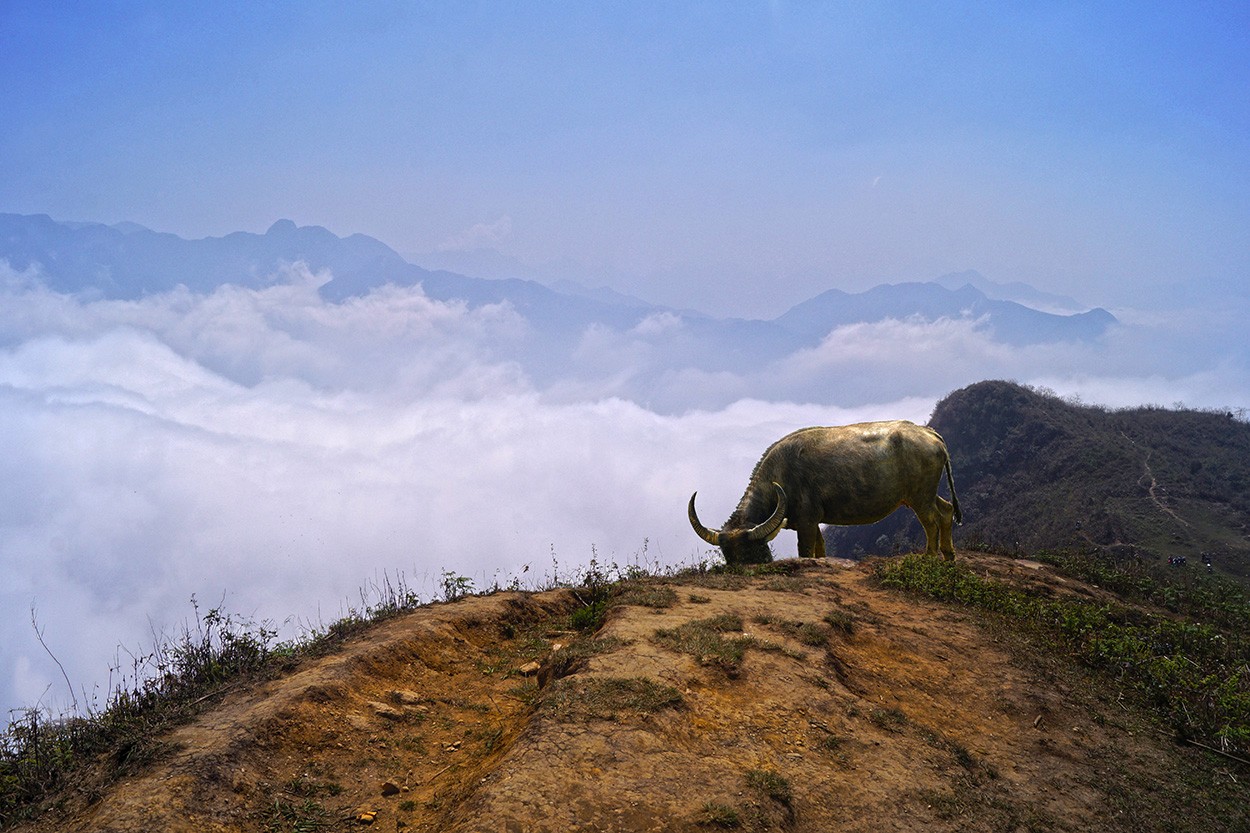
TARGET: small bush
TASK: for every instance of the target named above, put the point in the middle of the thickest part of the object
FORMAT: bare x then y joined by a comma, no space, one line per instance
720,815
892,720
590,617
840,620
770,784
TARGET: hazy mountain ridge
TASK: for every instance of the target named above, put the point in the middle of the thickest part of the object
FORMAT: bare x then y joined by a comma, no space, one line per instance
1010,322
1016,291
128,261
1039,473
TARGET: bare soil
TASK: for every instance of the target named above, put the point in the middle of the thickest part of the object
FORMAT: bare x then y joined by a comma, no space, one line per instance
851,708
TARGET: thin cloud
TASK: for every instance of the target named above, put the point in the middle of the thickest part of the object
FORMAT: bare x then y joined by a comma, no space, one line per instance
479,236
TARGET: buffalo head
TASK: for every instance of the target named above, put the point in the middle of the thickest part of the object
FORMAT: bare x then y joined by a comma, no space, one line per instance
740,541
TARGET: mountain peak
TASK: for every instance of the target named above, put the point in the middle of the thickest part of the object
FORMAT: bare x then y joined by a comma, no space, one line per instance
281,227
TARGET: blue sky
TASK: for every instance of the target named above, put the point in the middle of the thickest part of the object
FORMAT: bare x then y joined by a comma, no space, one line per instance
738,157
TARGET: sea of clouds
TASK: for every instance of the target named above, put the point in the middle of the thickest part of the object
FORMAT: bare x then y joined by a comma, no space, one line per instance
271,453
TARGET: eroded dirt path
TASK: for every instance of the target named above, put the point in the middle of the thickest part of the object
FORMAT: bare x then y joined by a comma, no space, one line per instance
915,719
848,708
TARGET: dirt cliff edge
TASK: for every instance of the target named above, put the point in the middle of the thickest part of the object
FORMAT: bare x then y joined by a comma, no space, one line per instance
807,698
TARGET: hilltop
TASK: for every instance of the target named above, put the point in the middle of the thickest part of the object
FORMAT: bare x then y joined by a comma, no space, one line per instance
1037,473
805,696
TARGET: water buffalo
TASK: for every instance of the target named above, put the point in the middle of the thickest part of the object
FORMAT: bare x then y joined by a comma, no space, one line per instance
847,474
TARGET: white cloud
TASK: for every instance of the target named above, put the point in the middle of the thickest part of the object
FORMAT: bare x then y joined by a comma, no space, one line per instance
279,451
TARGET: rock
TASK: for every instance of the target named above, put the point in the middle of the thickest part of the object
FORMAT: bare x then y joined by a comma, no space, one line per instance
390,788
384,711
404,697
366,815
529,669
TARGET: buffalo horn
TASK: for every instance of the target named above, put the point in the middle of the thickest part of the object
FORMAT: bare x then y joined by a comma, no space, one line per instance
768,530
712,536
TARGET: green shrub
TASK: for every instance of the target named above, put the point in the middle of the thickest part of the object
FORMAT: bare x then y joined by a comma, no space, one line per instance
770,784
720,815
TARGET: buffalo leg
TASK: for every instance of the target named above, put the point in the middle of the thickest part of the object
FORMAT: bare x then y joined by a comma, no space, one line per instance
811,543
929,520
946,517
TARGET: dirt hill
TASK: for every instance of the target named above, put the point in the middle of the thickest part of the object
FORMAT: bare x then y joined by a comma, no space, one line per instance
1035,472
806,698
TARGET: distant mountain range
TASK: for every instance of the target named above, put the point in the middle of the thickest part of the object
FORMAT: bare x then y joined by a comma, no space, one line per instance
1008,321
128,261
1016,291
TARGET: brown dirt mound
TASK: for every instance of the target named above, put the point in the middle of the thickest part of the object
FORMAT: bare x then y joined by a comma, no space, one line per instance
805,700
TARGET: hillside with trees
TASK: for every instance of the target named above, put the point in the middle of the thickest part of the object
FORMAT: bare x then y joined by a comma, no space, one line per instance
1038,473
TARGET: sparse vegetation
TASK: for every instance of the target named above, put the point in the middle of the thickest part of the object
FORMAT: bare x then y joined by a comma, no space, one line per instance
891,720
608,698
305,817
707,642
810,634
840,620
600,587
771,785
645,594
183,675
37,751
1196,677
720,815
